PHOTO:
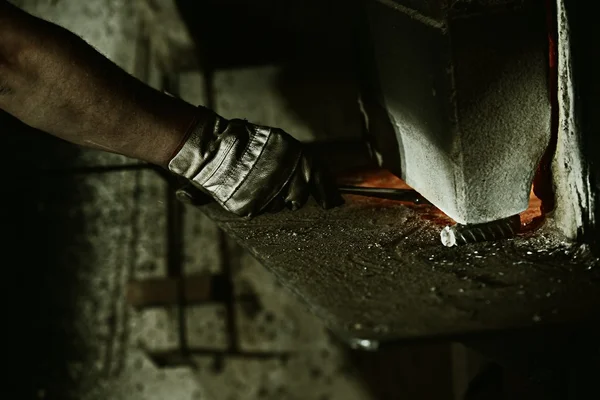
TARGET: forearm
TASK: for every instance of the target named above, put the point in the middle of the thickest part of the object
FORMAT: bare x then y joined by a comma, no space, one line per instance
54,81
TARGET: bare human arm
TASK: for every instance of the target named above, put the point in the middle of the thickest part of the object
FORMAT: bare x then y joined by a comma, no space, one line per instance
54,81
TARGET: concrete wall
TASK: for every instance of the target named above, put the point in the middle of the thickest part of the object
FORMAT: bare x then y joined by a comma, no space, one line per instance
574,168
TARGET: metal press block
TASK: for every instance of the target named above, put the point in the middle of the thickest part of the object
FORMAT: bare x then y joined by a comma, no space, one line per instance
459,103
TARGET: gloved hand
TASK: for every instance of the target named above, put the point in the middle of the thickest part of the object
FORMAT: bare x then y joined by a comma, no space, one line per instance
249,169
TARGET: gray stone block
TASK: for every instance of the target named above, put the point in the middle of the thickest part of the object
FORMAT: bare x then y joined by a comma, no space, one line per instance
464,102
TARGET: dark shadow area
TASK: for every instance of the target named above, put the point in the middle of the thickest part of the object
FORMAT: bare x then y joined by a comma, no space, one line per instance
411,372
235,33
314,43
385,141
487,385
552,363
546,364
40,281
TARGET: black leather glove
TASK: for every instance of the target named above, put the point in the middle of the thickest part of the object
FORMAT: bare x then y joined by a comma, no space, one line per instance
249,169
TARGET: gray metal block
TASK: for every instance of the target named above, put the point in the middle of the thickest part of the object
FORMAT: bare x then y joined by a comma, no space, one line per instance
463,110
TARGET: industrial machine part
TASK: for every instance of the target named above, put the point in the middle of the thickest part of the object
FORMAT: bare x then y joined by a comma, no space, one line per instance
463,234
459,102
407,195
450,236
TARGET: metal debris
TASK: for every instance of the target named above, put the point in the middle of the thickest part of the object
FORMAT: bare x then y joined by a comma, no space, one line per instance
363,344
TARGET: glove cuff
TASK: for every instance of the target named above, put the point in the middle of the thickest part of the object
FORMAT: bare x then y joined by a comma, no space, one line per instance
241,165
189,157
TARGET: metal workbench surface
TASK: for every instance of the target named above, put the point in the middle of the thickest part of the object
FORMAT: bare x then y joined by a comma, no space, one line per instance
376,270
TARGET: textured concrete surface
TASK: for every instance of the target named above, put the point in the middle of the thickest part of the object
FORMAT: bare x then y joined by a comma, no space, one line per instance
576,194
467,102
588,86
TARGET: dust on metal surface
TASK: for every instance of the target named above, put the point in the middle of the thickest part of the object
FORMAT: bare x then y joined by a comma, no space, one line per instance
375,269
462,234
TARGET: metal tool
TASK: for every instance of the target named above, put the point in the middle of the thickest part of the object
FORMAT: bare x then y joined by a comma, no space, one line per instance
463,234
408,195
451,235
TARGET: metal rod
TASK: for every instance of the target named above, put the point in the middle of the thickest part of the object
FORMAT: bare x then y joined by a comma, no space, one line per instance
408,195
463,234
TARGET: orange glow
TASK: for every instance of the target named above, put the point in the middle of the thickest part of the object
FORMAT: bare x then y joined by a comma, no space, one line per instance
385,179
372,178
530,218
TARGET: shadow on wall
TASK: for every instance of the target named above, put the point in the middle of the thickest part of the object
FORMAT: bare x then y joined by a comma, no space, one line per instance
313,42
40,283
407,372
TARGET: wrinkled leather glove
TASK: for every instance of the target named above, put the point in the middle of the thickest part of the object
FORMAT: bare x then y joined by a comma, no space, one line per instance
249,169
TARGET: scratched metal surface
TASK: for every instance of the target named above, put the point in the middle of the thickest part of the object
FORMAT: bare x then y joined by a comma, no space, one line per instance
375,269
